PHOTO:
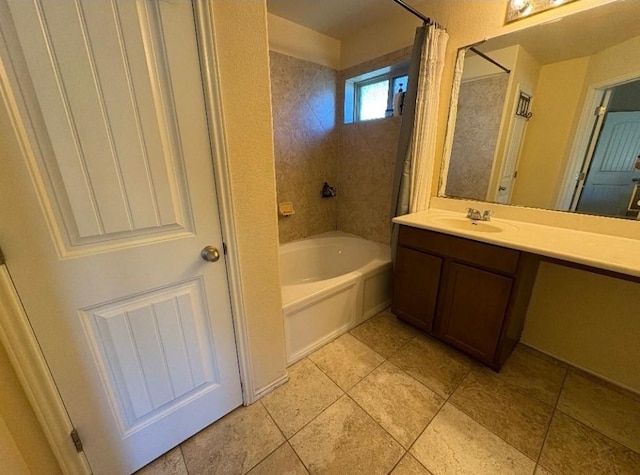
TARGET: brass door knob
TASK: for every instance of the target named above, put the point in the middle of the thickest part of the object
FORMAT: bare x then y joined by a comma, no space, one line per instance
210,254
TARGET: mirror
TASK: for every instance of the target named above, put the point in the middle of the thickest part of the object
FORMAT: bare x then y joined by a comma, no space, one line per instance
561,129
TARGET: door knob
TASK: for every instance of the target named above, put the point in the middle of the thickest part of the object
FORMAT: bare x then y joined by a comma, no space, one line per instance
502,188
635,180
210,254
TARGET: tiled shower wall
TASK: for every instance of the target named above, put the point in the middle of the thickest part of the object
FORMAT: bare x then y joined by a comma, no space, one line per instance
366,163
312,146
306,142
476,135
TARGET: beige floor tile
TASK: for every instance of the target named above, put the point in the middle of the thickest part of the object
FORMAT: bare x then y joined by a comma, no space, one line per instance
234,444
540,470
344,439
536,373
437,366
410,466
396,401
602,408
307,393
346,360
572,447
170,463
453,443
384,333
506,410
283,461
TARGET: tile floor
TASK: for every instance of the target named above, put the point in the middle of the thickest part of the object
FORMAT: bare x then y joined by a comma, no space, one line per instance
385,398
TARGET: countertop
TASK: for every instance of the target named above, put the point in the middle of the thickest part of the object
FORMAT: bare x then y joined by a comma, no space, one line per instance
602,251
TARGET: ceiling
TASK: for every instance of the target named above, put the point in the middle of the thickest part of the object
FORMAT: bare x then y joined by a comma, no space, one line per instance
574,36
335,18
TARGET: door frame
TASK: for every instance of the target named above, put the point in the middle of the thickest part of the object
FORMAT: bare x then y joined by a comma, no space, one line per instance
584,132
16,333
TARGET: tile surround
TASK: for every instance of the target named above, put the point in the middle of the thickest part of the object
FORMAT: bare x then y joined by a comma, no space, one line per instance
306,143
370,429
312,145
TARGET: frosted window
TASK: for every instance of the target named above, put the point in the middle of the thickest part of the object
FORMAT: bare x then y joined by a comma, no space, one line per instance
372,100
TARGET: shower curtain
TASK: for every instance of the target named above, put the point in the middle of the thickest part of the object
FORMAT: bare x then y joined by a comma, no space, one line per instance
416,147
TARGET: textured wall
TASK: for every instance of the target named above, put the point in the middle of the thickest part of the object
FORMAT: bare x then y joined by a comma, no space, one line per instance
306,143
476,135
243,61
367,162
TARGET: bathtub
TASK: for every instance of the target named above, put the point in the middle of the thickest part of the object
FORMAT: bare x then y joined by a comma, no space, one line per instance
330,283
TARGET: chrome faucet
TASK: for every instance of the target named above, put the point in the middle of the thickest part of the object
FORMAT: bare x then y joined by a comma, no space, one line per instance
475,215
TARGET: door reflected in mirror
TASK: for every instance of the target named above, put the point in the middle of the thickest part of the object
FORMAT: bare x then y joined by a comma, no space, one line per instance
577,145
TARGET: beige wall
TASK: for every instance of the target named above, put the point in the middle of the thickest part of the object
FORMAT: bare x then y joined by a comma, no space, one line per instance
291,39
23,445
243,60
556,105
306,141
587,319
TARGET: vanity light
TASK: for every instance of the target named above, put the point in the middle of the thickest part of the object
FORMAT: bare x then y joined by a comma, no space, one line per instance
517,9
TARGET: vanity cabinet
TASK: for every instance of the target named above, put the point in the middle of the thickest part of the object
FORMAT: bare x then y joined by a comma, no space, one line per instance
469,294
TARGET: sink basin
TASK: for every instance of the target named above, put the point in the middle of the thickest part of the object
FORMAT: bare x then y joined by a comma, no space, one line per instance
475,226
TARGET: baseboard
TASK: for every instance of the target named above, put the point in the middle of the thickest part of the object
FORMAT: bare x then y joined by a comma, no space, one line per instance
263,391
586,370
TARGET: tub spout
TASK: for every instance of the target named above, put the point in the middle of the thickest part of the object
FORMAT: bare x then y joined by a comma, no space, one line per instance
328,191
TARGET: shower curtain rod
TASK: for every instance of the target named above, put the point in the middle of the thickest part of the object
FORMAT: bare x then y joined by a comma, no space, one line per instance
409,8
491,60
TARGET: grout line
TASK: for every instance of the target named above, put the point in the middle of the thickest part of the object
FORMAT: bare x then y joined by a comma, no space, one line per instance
553,415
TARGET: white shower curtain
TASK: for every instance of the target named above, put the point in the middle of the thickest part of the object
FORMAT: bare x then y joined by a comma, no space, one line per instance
423,144
417,144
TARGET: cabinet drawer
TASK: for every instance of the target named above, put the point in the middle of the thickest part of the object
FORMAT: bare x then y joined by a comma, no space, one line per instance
466,250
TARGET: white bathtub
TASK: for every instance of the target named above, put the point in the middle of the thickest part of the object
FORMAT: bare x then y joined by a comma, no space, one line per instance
330,283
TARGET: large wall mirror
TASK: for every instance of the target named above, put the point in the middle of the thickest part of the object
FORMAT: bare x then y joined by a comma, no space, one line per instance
561,129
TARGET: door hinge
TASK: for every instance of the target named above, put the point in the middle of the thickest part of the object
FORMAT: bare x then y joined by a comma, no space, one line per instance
76,440
582,176
600,110
224,248
515,174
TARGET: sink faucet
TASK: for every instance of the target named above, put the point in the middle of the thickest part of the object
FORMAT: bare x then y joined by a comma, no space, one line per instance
475,215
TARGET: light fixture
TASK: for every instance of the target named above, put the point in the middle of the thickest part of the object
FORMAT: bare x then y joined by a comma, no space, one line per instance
517,9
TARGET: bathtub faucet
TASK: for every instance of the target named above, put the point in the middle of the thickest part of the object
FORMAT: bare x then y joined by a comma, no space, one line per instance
328,191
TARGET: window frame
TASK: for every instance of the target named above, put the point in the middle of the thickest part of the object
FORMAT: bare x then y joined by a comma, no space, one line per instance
353,86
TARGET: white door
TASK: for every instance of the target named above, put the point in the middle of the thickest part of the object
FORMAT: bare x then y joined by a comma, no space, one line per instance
610,180
512,158
103,216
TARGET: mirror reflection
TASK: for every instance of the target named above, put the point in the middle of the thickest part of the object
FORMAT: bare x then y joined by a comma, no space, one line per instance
561,129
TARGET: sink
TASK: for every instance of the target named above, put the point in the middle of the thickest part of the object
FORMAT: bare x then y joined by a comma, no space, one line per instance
466,224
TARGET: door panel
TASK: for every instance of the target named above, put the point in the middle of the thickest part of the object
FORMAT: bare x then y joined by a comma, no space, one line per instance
104,216
101,77
609,182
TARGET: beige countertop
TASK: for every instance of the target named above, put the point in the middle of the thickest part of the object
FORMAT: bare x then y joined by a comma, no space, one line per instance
603,251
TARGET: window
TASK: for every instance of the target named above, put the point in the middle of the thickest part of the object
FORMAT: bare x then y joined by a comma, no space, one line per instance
370,96
372,99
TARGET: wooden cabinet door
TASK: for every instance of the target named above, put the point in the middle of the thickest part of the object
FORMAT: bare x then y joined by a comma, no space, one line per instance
475,302
416,286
